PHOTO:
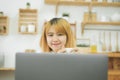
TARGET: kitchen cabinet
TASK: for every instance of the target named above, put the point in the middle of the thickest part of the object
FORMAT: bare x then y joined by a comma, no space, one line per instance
114,66
3,25
7,73
28,22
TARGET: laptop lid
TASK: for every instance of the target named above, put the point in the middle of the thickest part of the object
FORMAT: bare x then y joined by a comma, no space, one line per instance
35,66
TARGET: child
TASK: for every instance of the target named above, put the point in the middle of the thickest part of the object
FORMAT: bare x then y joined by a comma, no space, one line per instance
56,36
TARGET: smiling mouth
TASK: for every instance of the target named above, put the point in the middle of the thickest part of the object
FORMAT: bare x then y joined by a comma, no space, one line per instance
55,44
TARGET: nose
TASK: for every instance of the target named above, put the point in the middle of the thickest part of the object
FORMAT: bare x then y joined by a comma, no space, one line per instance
55,38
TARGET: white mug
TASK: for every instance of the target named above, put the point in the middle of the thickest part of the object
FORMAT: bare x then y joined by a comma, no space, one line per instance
68,50
31,28
23,28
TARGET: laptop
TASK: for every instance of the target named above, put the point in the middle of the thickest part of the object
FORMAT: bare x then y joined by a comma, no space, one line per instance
49,66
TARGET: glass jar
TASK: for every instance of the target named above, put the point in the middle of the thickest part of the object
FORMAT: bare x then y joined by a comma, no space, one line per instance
86,16
93,48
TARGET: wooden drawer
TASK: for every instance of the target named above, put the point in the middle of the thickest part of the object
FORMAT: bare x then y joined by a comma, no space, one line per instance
114,77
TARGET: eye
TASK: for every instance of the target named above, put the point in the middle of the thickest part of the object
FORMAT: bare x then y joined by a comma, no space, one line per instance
50,35
60,34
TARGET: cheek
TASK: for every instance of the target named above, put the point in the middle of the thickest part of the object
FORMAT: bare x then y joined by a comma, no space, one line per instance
64,40
48,40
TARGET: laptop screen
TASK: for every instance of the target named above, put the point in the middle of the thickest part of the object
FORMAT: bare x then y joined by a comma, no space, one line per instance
34,66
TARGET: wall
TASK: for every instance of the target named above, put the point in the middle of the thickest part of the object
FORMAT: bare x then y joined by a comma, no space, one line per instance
15,42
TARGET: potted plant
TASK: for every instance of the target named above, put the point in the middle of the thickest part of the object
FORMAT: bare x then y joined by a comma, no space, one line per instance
66,16
1,13
28,5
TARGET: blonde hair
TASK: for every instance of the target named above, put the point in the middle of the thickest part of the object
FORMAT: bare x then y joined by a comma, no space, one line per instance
61,25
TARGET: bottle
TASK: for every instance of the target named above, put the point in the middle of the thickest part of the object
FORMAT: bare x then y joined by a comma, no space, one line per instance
94,16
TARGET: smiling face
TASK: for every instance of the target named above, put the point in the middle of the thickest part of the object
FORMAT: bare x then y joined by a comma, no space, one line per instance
55,39
56,34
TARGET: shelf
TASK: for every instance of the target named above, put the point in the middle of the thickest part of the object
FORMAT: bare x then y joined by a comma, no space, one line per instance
28,22
7,69
114,4
75,3
82,3
28,10
83,24
79,3
114,72
3,25
51,1
101,23
3,34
